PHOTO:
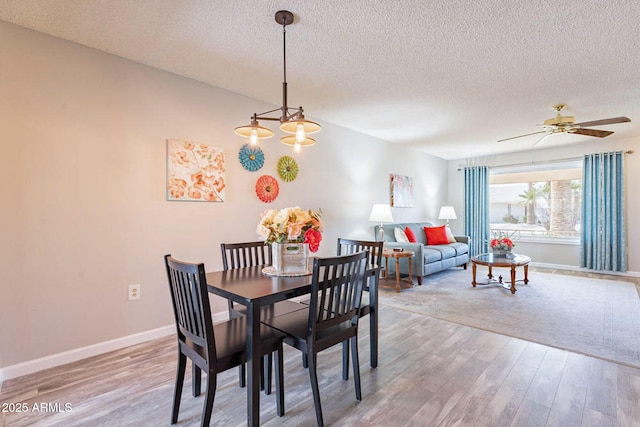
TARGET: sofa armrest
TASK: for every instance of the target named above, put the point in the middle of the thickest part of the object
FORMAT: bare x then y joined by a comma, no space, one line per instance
462,239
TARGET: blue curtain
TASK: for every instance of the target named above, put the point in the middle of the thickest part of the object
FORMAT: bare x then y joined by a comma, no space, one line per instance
476,208
603,239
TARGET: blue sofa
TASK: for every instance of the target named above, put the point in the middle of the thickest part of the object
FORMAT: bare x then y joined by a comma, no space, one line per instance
428,259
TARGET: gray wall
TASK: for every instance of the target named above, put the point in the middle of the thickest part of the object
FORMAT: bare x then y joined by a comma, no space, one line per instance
83,177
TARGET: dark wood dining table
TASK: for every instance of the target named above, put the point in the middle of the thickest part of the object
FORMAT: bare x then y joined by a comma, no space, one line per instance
253,289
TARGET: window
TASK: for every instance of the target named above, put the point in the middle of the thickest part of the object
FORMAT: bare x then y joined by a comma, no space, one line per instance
538,201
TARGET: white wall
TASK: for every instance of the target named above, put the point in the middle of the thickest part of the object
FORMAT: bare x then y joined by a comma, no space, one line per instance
562,254
83,178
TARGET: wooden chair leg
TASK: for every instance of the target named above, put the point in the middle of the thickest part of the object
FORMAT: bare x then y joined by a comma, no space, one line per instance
313,377
280,381
267,373
345,360
242,375
196,380
177,395
356,366
209,398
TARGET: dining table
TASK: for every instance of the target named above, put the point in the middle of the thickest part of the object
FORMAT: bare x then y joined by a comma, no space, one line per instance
254,289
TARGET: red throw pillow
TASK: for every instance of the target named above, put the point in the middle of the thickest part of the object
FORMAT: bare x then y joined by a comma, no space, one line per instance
436,235
411,236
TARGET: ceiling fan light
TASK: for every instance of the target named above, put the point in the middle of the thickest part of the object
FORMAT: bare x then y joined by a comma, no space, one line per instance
291,126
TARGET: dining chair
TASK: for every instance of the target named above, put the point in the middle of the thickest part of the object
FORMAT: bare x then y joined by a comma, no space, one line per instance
211,348
250,254
349,246
331,317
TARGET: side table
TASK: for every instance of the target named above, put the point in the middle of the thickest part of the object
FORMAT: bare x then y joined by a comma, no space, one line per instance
386,254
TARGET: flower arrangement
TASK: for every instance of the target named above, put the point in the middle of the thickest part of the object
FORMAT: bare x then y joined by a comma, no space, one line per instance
293,225
501,241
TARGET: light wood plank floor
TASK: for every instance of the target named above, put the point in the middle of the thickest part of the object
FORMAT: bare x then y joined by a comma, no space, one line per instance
431,373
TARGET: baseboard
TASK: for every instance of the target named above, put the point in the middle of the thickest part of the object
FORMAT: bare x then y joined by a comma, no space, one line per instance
35,365
584,270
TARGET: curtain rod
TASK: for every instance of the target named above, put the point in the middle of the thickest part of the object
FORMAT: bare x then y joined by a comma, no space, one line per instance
535,162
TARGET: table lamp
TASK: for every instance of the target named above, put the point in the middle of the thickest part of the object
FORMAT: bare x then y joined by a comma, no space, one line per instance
447,212
381,213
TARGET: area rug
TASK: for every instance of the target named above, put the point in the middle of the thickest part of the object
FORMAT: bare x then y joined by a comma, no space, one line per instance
592,316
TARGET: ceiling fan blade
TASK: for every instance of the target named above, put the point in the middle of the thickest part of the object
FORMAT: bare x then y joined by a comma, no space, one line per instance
610,121
520,136
541,140
593,132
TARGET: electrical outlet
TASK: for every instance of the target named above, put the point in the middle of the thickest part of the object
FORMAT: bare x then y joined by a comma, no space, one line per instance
134,292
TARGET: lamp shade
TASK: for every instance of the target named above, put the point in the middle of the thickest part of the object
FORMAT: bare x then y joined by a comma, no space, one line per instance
381,213
447,212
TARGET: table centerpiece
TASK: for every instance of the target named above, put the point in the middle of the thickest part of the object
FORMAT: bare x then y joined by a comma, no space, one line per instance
292,233
501,245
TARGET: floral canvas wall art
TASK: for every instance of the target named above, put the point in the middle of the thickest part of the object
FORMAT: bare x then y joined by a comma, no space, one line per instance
401,191
195,172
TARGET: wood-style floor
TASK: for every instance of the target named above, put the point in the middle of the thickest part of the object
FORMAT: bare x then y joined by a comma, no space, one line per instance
431,373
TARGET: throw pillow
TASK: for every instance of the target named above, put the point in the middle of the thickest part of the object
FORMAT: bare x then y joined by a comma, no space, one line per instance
400,235
411,236
450,235
436,235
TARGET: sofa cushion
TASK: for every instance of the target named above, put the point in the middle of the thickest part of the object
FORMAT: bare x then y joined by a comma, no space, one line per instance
410,235
447,251
431,255
436,235
450,235
461,248
400,235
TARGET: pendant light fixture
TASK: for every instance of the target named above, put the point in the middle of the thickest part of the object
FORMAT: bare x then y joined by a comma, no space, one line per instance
291,120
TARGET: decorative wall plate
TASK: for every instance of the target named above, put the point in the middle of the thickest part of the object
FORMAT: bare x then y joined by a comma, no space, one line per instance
267,188
251,158
287,168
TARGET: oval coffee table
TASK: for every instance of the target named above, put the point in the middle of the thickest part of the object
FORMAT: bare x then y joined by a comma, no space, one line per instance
511,261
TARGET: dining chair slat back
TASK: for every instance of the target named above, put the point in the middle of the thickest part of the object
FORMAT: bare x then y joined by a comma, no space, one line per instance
252,254
349,246
331,317
337,292
211,348
247,254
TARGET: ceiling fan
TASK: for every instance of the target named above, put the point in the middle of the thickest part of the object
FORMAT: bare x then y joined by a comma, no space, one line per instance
565,124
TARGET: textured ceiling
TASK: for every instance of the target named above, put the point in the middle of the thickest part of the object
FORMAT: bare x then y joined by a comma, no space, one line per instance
449,77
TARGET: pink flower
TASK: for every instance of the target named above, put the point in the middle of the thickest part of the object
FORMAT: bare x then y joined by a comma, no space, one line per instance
313,238
293,230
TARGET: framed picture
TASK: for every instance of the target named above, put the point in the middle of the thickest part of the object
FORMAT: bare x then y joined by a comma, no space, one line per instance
401,191
195,172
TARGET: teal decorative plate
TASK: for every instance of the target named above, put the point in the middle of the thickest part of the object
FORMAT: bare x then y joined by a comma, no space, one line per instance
251,158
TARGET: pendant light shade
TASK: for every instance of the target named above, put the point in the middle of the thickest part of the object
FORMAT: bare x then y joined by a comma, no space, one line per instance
291,140
291,126
291,120
254,129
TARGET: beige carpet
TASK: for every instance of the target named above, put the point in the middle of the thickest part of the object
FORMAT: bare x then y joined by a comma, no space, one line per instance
593,316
